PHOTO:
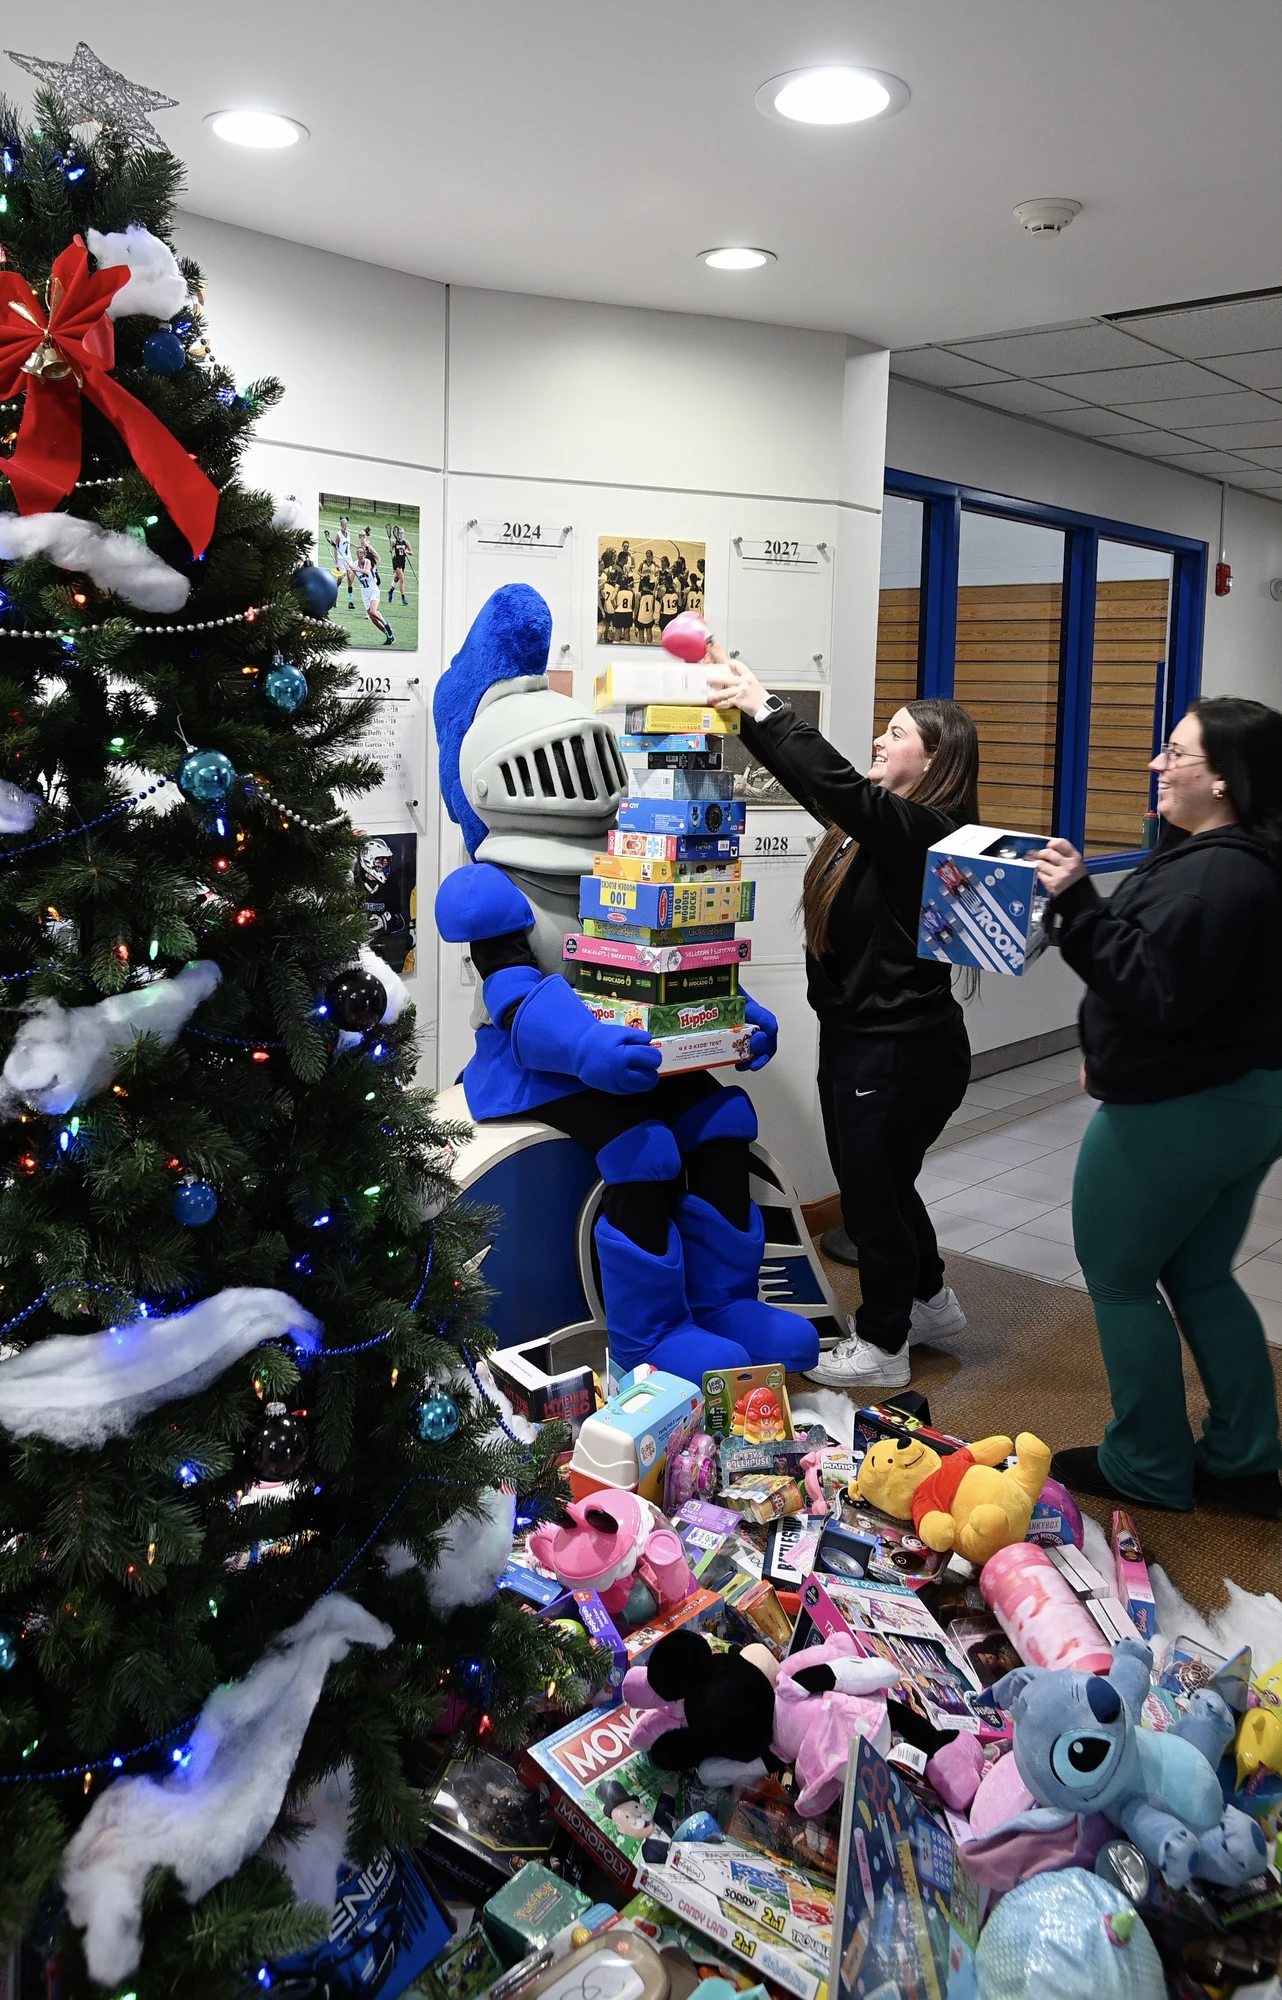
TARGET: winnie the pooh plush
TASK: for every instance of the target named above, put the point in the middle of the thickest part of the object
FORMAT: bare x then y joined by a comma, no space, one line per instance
963,1502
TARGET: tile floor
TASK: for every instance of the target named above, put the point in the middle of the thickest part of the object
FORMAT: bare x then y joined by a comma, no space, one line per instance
1003,1196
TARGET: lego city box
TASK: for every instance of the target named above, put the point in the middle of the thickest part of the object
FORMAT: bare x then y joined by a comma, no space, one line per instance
982,904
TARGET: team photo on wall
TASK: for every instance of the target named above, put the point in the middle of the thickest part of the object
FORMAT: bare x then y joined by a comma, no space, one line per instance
643,582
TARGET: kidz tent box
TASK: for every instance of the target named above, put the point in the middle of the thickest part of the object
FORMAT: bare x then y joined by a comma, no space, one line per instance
981,902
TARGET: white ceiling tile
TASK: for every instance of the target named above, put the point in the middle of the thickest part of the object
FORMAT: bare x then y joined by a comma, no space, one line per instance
1241,328
1212,463
1059,350
1237,437
939,369
1235,406
1022,399
1149,444
1131,385
1270,455
1255,371
1254,479
1091,423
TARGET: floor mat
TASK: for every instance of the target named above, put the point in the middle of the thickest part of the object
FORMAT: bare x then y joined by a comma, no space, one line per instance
1030,1360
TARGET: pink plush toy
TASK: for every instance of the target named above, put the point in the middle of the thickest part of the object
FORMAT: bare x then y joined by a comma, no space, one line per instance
687,637
606,1540
824,1698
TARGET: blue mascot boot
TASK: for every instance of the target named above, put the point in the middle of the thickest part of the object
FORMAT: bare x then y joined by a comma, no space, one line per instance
645,1294
723,1264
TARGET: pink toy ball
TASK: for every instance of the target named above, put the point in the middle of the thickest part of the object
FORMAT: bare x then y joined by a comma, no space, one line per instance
687,636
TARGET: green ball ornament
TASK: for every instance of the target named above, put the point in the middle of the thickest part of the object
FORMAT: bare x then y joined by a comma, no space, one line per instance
436,1417
286,687
207,776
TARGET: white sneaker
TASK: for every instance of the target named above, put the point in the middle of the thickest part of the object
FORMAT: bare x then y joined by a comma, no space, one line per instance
857,1364
940,1315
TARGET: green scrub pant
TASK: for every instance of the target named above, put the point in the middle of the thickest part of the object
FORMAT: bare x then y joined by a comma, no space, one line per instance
1164,1192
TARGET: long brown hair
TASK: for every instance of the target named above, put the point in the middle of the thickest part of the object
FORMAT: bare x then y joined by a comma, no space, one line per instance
951,785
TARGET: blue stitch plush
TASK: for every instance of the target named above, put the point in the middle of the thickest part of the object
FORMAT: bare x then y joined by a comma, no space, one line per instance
1080,1749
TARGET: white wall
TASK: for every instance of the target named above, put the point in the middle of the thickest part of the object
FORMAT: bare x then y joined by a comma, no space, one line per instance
481,406
944,437
627,422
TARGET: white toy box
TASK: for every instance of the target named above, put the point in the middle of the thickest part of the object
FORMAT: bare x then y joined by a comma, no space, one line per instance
626,1443
982,904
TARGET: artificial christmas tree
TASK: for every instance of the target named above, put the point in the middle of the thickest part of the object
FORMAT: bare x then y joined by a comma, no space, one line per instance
243,1439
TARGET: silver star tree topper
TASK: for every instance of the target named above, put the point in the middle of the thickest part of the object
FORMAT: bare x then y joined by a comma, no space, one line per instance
94,94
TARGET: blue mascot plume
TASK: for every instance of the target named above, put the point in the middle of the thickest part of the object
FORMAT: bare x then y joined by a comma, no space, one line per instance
534,782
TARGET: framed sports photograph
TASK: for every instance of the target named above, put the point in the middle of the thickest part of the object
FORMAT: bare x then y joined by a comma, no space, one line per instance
643,581
371,549
752,782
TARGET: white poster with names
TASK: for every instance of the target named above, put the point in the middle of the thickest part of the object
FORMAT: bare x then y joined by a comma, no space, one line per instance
396,739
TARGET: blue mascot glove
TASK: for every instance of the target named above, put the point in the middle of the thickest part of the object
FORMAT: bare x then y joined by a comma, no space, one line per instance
553,1030
620,1060
765,1042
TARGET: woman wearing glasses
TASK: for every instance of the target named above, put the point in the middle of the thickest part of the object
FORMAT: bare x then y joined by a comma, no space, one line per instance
1181,1028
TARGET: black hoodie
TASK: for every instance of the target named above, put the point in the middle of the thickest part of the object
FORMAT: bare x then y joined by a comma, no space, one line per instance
1183,968
870,980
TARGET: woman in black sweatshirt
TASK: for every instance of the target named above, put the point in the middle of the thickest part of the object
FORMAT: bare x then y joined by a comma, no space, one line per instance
894,1060
1182,1032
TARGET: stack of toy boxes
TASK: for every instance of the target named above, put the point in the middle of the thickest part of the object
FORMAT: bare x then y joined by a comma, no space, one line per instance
659,910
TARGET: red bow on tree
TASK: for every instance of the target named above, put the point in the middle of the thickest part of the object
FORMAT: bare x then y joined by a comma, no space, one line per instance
58,357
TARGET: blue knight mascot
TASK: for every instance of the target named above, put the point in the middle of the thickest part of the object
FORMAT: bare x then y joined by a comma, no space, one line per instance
534,782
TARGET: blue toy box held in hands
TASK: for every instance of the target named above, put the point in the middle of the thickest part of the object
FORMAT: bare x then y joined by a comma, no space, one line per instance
982,904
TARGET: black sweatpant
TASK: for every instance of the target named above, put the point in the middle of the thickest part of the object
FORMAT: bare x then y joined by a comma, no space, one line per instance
885,1099
717,1170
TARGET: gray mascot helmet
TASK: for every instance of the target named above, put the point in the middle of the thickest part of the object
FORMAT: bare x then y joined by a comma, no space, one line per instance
534,760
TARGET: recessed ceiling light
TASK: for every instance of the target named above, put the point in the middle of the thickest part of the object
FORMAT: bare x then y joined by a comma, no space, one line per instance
267,131
831,94
737,257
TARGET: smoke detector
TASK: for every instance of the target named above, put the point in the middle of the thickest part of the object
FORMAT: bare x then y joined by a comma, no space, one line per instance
1049,216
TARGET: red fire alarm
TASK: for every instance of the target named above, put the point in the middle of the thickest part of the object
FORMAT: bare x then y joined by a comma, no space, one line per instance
1223,579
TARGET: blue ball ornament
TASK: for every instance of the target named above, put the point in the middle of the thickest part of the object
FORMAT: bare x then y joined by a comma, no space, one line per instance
207,776
317,588
195,1203
286,687
8,1652
163,352
436,1417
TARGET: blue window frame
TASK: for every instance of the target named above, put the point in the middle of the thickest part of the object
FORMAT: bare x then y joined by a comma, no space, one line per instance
943,505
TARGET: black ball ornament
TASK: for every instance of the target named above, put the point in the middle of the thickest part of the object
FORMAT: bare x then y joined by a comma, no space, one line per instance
279,1445
356,1000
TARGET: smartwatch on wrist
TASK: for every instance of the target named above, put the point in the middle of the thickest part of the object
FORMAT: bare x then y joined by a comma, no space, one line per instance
772,705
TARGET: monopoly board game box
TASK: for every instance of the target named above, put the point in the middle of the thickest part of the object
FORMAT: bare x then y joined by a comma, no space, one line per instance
610,1797
982,904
